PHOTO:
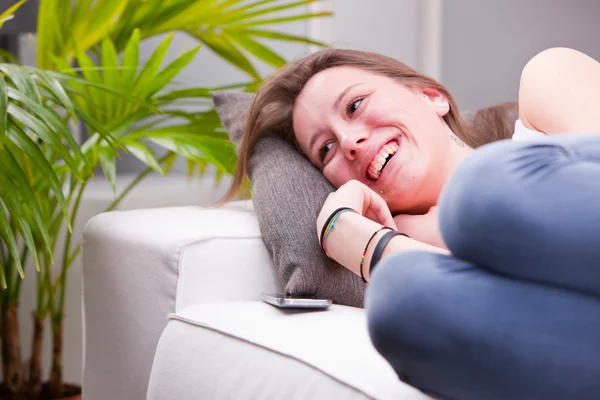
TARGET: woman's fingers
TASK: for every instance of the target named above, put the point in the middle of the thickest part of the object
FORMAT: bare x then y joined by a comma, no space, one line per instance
356,195
377,209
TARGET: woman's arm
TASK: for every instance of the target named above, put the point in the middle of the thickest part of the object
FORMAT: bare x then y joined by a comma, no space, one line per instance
558,92
351,233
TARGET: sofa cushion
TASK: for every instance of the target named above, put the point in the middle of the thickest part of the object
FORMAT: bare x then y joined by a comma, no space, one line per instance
252,350
287,194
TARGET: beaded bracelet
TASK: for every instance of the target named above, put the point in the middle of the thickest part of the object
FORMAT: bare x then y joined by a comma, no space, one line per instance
362,259
378,252
330,223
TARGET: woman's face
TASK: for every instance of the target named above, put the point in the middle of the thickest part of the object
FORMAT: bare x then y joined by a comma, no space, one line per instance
353,124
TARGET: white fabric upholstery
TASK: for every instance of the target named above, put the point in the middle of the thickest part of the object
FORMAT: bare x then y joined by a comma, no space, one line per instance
141,265
192,277
253,351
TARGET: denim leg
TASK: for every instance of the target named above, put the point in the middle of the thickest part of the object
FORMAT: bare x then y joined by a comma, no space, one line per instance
457,331
529,210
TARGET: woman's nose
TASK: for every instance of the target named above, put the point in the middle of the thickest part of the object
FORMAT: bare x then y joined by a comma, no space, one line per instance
353,145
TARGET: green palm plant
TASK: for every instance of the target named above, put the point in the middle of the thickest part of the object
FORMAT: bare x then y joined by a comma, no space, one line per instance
90,73
34,136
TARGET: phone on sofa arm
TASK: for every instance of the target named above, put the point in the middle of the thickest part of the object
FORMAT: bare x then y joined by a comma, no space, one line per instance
283,301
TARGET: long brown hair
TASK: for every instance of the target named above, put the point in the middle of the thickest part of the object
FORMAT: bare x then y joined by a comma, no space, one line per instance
272,108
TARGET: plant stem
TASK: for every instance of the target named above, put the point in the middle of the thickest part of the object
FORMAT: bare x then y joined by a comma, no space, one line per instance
133,184
117,201
11,349
65,266
17,292
34,382
49,304
56,382
10,269
57,314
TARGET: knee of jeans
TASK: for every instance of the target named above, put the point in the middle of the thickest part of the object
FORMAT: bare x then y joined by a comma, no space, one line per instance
400,306
485,187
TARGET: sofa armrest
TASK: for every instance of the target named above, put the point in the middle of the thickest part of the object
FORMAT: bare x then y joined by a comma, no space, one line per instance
141,265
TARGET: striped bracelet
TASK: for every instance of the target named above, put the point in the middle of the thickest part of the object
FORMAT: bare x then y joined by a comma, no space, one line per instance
330,223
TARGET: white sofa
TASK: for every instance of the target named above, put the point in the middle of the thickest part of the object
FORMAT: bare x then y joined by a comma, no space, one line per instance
172,310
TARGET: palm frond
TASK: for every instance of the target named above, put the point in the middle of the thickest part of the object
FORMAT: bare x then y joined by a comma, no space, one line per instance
230,28
38,146
8,13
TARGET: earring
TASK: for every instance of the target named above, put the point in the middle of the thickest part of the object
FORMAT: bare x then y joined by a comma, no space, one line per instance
382,192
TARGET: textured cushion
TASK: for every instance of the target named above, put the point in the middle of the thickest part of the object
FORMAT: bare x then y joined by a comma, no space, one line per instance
254,351
287,194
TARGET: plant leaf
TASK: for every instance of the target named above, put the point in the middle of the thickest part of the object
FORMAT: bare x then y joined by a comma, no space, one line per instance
150,69
270,21
236,17
97,23
111,74
17,176
54,86
24,142
227,51
197,92
131,60
257,49
22,80
8,14
8,236
169,161
91,75
279,36
233,14
3,111
108,164
17,204
166,75
40,129
145,155
57,127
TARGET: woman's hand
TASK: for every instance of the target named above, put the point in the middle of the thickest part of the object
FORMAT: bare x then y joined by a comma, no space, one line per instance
360,197
424,228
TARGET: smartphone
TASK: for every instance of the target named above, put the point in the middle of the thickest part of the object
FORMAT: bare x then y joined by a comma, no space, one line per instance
284,301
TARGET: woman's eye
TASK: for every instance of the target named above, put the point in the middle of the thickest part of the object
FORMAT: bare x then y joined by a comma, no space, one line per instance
324,150
353,106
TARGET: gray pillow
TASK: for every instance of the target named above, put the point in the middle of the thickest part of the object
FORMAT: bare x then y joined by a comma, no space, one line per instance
288,193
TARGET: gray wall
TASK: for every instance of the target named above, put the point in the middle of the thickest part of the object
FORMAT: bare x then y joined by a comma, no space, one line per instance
487,43
384,26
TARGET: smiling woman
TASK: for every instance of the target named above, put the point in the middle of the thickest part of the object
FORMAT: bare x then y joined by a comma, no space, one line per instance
351,134
317,103
466,291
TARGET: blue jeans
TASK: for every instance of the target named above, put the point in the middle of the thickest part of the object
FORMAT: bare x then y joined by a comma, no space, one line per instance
514,312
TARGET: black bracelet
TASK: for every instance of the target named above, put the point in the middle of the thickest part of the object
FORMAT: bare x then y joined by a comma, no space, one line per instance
380,247
362,259
328,221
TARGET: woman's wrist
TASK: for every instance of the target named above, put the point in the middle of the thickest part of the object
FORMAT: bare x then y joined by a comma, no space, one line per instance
346,242
366,267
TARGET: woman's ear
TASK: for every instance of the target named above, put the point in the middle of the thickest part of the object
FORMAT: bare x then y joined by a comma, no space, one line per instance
436,100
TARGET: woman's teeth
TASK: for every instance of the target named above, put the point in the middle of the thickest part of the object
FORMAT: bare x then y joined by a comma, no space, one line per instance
381,160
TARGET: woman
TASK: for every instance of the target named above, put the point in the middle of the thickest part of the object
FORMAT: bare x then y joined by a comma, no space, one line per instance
491,291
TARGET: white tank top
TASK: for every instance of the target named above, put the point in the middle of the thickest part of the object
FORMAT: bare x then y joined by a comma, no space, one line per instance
524,133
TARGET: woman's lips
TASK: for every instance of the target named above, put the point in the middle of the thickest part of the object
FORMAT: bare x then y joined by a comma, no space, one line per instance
381,159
